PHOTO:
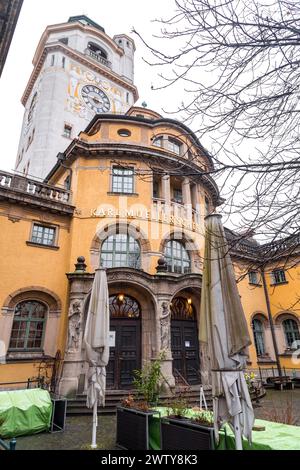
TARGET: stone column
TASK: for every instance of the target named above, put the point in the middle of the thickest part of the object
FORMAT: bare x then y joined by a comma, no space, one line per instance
187,199
166,188
74,359
166,192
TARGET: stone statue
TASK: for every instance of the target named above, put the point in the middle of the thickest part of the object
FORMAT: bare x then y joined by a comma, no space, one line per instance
165,338
74,325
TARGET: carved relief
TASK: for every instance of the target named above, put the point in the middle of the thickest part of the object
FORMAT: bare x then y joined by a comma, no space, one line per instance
165,327
75,324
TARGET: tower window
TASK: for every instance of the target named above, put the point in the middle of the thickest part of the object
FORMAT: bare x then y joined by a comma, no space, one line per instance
67,131
63,62
97,50
127,97
52,60
64,41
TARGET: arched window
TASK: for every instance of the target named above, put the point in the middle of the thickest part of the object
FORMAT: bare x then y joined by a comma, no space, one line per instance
124,306
120,250
182,309
28,326
94,48
178,260
291,332
259,339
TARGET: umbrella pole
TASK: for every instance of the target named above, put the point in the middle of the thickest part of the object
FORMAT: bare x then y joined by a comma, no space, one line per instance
95,424
237,433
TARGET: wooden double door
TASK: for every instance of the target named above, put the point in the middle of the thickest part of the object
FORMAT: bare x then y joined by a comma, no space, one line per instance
125,356
185,350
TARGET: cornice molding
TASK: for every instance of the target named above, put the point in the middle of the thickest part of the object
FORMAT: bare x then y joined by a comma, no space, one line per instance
82,59
78,147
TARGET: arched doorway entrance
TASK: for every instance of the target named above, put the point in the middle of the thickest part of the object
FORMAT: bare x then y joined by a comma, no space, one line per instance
125,355
184,340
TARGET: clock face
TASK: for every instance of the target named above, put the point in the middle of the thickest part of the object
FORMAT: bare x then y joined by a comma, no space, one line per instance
95,99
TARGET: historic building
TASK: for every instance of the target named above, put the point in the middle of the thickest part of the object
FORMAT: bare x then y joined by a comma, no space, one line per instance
130,193
9,14
128,208
78,71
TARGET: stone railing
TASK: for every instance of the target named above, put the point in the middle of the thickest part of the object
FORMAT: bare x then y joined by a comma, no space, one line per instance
30,186
98,58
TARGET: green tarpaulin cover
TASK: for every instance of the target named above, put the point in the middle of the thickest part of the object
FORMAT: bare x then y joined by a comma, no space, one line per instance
24,412
276,436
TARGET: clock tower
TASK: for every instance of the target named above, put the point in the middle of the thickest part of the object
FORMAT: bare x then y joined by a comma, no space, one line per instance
79,71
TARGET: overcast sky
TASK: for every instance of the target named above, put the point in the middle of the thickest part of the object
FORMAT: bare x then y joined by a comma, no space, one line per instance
116,16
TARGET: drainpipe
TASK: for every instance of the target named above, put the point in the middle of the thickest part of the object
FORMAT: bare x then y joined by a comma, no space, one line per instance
271,322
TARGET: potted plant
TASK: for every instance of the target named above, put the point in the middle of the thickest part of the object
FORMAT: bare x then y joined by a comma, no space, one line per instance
134,413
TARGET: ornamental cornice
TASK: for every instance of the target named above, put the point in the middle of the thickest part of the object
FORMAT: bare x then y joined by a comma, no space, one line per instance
82,59
78,147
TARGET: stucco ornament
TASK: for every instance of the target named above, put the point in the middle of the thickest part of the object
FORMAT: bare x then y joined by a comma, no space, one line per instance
165,337
74,325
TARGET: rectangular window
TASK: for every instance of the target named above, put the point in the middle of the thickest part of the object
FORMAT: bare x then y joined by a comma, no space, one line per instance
67,131
43,235
177,195
63,62
52,60
278,276
253,277
64,41
122,180
67,183
156,193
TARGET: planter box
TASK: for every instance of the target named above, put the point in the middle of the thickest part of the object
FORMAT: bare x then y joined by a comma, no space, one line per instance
133,429
177,434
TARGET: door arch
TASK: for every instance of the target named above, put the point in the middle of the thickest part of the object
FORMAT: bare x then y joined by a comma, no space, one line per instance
184,340
125,355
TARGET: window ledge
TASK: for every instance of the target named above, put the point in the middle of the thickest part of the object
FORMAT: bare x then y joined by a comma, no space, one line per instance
254,284
265,360
288,352
25,355
111,193
279,283
40,245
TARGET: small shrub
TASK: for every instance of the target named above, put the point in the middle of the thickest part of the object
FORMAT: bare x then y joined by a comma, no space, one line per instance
147,381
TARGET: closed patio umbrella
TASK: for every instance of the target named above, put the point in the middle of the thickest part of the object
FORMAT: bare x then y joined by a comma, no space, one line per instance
96,345
224,334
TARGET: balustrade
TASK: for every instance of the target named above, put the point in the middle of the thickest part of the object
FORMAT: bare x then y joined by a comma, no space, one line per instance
34,188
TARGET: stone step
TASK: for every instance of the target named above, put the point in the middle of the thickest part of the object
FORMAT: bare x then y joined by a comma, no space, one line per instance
77,406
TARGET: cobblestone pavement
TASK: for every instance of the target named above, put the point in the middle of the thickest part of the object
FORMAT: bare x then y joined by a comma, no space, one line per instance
77,435
78,431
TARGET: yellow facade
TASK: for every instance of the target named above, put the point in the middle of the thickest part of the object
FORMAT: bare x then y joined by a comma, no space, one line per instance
84,218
